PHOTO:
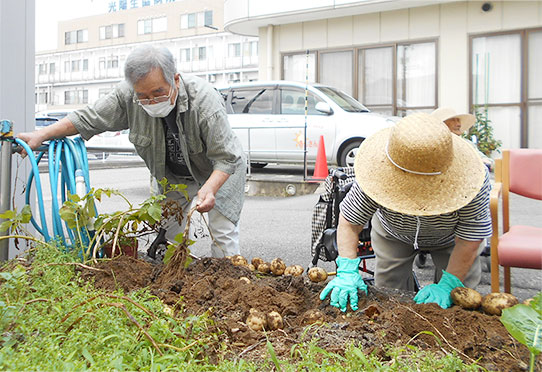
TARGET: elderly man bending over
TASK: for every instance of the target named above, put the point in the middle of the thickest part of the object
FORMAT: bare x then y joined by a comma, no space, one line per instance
179,127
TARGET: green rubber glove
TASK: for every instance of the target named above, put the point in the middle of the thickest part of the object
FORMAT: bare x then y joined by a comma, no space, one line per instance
345,285
439,293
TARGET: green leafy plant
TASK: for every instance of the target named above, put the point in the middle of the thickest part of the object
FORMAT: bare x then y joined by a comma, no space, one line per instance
524,322
15,220
121,227
483,131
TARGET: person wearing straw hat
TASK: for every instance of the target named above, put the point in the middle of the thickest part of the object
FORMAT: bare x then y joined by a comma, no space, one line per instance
424,189
459,124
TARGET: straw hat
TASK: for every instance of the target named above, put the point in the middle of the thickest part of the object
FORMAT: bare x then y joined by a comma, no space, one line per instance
418,167
445,113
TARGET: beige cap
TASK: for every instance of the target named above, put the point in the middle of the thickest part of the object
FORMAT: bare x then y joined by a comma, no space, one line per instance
445,113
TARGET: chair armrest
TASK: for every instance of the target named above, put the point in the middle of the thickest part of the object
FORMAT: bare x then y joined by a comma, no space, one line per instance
494,197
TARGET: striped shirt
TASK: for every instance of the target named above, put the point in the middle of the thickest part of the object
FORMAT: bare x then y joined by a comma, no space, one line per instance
471,222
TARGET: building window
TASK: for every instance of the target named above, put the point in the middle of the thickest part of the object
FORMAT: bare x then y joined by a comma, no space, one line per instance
75,37
234,50
336,69
113,62
250,49
185,55
85,65
52,69
199,53
208,18
112,31
192,20
75,65
499,74
296,67
42,68
416,77
148,26
101,63
74,97
202,53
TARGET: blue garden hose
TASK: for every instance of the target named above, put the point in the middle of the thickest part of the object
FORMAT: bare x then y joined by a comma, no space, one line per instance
67,160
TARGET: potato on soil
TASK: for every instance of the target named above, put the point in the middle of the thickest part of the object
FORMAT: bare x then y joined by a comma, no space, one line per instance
278,266
295,270
317,274
256,261
256,320
264,268
274,320
494,303
251,267
244,279
467,298
239,260
313,316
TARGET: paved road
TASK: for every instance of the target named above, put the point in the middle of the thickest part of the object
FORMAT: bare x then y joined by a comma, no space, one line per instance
281,227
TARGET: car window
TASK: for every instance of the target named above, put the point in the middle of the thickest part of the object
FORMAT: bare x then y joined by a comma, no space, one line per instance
252,101
292,102
44,122
342,99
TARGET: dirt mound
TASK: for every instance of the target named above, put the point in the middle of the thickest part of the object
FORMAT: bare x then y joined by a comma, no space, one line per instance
385,316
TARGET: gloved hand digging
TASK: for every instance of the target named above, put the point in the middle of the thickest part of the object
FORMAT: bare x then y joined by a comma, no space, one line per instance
345,285
439,293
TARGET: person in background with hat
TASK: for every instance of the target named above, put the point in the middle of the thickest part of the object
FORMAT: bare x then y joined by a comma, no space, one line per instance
424,188
459,124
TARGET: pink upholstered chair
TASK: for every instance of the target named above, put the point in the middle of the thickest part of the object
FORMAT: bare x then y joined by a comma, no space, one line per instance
520,172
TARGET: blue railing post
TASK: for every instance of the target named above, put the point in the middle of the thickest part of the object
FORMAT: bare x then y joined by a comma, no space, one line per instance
6,130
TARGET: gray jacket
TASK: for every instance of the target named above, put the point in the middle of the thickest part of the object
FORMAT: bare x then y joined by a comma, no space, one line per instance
206,138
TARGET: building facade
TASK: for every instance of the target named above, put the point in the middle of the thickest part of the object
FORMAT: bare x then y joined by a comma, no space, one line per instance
400,56
89,61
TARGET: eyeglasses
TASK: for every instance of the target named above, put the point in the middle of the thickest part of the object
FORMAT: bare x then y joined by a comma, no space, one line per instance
147,101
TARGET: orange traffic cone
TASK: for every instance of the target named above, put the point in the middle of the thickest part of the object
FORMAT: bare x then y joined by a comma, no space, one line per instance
320,169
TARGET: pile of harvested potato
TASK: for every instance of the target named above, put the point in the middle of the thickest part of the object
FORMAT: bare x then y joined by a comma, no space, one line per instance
258,321
492,303
277,267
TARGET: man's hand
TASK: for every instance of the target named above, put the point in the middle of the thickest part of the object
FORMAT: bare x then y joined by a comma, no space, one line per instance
345,285
439,293
206,195
206,200
33,139
62,128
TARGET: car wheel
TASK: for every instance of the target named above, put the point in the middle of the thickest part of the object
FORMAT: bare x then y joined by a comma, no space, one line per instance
258,165
348,154
101,155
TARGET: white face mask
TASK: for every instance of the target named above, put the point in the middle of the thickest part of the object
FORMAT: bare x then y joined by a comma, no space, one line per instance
159,110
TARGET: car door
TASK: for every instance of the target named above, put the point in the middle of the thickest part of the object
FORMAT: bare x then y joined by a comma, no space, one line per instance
291,123
251,118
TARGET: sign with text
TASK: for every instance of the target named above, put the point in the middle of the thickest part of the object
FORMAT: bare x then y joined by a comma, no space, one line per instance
118,5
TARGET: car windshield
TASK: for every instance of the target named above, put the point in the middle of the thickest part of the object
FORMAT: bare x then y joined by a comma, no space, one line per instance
346,102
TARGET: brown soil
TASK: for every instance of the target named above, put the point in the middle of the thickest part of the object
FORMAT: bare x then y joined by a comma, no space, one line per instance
385,317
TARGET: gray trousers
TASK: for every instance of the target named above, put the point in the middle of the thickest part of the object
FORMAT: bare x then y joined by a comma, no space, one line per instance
394,260
224,232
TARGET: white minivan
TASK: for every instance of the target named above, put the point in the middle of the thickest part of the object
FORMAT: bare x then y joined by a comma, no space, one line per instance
269,119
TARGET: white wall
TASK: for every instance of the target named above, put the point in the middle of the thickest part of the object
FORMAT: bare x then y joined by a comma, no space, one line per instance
450,23
17,79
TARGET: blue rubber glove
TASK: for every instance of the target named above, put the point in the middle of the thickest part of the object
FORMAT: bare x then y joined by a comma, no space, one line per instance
439,293
345,285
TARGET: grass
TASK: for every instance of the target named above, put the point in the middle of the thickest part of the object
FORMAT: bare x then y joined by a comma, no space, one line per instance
51,320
